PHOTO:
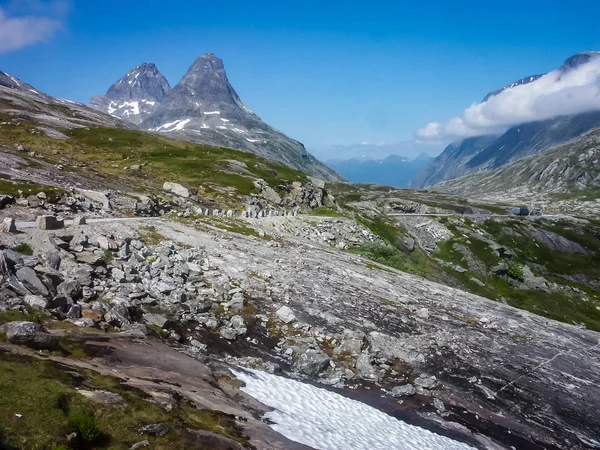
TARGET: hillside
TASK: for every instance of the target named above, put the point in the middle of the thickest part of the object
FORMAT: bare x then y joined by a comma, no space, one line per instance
564,180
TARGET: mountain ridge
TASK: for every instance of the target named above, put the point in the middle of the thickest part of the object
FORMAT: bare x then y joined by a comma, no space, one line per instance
488,152
204,108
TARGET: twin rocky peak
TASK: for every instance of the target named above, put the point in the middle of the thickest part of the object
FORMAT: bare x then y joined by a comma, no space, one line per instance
204,108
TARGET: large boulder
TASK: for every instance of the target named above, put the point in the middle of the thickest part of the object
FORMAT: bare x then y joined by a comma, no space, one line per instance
96,197
27,276
178,189
312,362
30,334
285,314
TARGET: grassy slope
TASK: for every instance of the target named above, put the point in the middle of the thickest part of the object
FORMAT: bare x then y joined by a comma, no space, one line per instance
105,152
45,394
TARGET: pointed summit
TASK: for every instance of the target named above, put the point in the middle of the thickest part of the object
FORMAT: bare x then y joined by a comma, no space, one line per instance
134,96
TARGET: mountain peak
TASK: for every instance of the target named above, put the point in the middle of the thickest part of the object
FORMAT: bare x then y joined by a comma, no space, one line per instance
135,95
578,59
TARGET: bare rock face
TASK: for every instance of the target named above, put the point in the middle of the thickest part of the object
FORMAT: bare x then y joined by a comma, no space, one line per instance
178,189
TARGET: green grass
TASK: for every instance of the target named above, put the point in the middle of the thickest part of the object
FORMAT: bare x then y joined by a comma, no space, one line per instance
23,248
44,394
326,211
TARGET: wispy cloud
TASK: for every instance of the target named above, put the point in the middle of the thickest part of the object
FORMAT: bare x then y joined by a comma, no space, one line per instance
28,22
560,92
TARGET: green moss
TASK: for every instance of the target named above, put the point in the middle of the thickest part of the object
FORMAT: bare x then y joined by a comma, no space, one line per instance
384,254
149,235
24,249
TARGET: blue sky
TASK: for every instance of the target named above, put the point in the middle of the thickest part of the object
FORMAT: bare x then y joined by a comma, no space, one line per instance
330,74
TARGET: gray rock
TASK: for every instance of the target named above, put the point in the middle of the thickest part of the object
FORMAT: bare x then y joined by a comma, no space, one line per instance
52,260
49,223
237,302
117,316
238,324
426,381
30,334
8,225
105,243
36,301
364,368
228,333
27,276
285,314
178,189
312,362
155,429
79,220
405,390
155,319
74,312
96,197
439,405
138,445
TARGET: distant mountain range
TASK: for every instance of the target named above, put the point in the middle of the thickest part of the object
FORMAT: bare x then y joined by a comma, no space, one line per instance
489,152
204,108
393,170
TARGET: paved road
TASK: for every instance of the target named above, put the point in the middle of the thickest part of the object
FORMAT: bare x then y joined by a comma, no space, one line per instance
21,225
553,216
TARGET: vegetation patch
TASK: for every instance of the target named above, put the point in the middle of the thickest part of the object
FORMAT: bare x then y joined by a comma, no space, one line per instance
24,249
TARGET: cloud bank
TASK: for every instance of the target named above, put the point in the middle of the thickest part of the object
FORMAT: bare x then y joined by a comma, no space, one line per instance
560,92
27,22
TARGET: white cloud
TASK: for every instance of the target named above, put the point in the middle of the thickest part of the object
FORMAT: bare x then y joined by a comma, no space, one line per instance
557,93
28,22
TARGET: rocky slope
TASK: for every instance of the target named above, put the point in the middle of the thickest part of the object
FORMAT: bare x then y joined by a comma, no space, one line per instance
204,108
20,101
483,153
135,96
489,374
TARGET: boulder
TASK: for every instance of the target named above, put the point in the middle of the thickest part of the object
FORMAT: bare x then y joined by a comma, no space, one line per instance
405,390
6,200
49,223
27,276
312,362
285,314
228,333
30,334
8,225
155,429
178,189
117,316
155,319
426,381
96,197
36,301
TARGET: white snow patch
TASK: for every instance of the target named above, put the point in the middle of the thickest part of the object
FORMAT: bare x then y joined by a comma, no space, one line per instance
225,120
173,126
253,140
148,102
237,130
222,127
328,421
135,108
197,104
212,112
204,126
112,107
34,91
14,79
